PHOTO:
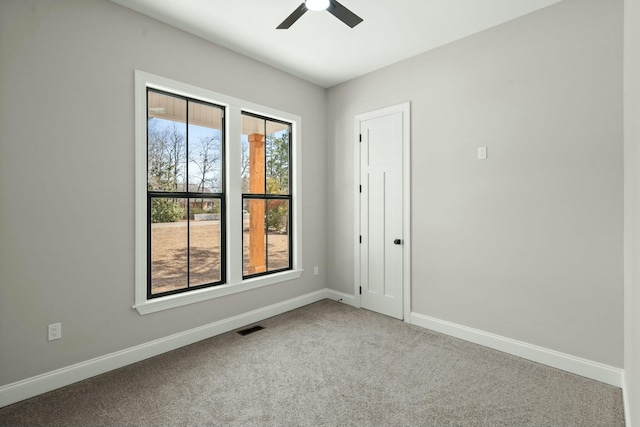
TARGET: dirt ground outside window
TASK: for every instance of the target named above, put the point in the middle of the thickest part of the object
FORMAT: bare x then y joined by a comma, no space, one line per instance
169,253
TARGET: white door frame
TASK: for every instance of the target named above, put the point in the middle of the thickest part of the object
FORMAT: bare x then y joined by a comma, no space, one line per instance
405,108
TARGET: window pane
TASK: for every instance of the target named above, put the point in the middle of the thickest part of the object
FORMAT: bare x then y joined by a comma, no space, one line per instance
253,155
278,235
253,238
168,245
277,158
166,142
205,148
204,241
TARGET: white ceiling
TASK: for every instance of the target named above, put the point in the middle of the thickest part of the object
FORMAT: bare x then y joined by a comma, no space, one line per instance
321,49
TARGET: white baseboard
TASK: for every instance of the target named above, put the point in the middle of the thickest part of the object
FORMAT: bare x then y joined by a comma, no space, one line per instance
341,297
576,365
30,387
625,402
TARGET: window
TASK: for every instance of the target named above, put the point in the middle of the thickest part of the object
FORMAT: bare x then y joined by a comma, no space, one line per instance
217,195
185,199
265,195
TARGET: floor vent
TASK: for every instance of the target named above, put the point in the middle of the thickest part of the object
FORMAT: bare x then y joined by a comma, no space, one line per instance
250,330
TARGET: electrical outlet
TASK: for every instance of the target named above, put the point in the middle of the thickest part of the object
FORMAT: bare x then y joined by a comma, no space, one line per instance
55,331
315,271
482,153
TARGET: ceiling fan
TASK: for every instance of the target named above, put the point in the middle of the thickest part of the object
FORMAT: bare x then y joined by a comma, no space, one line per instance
335,8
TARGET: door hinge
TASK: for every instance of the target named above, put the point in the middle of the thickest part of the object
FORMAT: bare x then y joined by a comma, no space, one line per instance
360,137
360,290
360,239
361,188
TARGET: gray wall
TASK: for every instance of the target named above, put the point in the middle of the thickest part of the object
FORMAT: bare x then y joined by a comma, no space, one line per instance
527,244
632,208
66,176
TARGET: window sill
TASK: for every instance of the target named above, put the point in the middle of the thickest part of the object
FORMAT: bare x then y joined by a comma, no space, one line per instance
178,300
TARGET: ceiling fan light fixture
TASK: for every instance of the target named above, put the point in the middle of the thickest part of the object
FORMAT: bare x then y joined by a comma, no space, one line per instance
316,4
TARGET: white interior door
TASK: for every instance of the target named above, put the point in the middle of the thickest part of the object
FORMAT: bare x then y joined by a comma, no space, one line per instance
381,246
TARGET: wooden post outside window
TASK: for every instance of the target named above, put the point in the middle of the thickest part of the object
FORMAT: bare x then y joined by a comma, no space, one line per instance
257,262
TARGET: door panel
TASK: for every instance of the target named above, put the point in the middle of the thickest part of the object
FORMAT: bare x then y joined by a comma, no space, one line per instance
381,261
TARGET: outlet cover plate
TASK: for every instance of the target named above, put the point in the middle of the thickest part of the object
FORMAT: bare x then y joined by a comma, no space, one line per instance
55,331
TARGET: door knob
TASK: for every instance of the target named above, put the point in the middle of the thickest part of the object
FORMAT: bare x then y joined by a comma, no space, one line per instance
397,242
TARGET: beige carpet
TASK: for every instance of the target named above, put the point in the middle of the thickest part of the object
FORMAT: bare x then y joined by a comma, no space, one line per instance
328,364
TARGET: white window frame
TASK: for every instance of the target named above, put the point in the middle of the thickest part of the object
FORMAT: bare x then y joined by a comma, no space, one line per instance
233,191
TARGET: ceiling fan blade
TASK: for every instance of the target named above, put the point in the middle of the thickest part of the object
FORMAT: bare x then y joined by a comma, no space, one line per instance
343,14
292,18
